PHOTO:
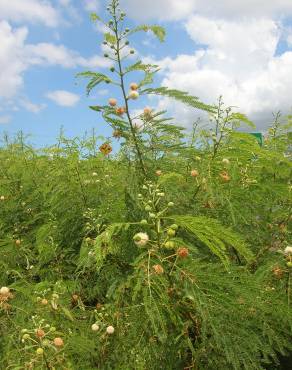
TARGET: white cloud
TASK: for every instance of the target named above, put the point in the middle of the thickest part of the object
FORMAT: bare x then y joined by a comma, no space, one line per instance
175,10
51,54
16,57
159,9
238,61
289,39
29,11
91,5
12,64
63,98
5,119
32,107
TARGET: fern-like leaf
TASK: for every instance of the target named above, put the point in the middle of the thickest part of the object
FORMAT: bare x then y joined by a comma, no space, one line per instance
158,31
215,236
180,96
95,79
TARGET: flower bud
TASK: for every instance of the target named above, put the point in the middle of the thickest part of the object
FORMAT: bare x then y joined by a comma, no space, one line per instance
110,330
94,327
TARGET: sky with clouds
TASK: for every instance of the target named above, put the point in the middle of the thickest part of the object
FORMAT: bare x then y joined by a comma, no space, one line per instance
239,49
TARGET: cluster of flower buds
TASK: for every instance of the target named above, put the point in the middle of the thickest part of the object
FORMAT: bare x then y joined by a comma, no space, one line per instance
133,93
109,329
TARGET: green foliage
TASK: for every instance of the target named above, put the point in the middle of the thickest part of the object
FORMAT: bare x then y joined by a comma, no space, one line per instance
211,233
180,96
158,31
173,252
95,79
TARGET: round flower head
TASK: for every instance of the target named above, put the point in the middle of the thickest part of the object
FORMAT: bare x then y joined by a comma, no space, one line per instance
288,250
112,102
194,173
2,197
94,327
224,176
133,94
141,239
117,133
147,111
120,111
134,86
58,342
4,290
225,161
40,333
105,149
183,252
158,269
110,330
39,351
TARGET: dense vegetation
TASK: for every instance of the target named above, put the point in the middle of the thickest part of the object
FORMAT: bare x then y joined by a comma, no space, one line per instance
172,253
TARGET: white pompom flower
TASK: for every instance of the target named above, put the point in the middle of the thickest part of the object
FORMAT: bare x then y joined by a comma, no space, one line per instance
141,239
94,327
110,330
4,290
288,250
133,94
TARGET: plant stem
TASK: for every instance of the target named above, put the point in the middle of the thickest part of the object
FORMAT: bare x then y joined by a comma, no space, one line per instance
121,74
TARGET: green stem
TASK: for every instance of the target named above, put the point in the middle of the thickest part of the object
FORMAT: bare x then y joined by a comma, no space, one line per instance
121,74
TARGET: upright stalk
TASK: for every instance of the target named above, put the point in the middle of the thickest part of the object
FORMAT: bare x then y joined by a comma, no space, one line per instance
122,84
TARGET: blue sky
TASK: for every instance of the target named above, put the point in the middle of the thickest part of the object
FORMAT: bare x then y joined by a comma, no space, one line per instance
240,50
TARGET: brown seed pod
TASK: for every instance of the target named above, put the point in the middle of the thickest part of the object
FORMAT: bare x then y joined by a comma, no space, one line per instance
158,269
278,272
182,252
105,149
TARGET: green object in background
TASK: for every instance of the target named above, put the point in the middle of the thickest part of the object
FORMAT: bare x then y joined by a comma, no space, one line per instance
259,137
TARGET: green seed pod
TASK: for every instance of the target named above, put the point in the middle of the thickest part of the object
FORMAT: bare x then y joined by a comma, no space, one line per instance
169,245
148,208
171,232
143,222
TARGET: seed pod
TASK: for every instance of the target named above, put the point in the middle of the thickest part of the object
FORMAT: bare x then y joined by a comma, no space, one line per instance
158,269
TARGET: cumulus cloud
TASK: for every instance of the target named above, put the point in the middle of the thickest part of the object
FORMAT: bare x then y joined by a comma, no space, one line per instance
29,11
236,59
51,54
91,5
16,56
31,107
159,9
173,10
63,98
12,64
